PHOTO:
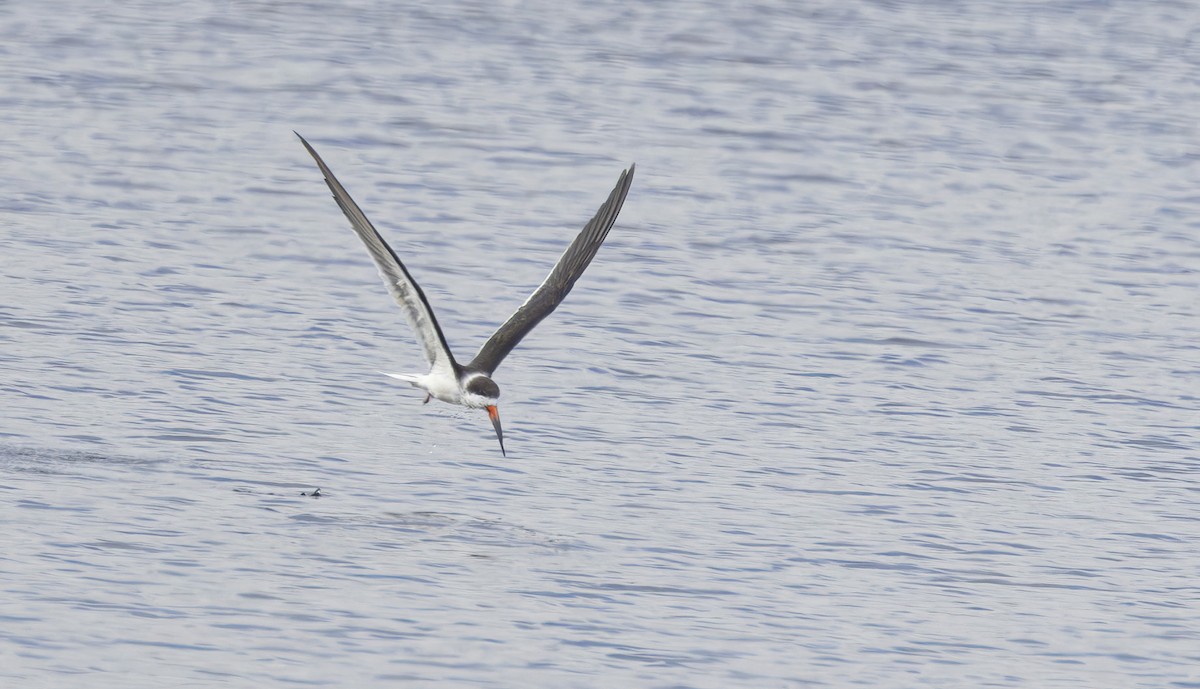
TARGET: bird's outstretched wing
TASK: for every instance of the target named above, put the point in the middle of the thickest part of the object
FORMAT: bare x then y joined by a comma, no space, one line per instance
557,284
400,284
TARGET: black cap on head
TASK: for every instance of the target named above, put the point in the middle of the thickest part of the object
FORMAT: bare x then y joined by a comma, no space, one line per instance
484,387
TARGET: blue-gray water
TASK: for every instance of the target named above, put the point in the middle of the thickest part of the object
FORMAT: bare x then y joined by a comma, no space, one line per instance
887,375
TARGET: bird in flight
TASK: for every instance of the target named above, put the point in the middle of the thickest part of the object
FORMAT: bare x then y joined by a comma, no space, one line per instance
471,385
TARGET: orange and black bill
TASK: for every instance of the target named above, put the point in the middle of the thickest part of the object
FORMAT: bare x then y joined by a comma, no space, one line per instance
494,415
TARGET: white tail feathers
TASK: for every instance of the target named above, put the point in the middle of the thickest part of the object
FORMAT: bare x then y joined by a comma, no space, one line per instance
410,378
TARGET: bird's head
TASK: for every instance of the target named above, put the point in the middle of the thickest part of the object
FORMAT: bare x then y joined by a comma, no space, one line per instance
483,393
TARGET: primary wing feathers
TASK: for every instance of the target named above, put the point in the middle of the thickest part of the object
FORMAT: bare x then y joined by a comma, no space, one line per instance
557,284
403,288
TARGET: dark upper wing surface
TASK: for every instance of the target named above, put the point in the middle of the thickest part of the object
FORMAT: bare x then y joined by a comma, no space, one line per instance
558,283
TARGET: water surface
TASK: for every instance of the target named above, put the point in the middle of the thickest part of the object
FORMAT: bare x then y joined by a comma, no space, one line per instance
885,377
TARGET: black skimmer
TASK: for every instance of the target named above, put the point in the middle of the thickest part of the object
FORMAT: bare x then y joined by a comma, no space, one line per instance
471,385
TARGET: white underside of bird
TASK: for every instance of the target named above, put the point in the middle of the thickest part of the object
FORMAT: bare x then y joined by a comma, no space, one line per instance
443,387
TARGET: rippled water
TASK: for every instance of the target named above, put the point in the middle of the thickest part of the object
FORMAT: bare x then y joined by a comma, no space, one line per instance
886,376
